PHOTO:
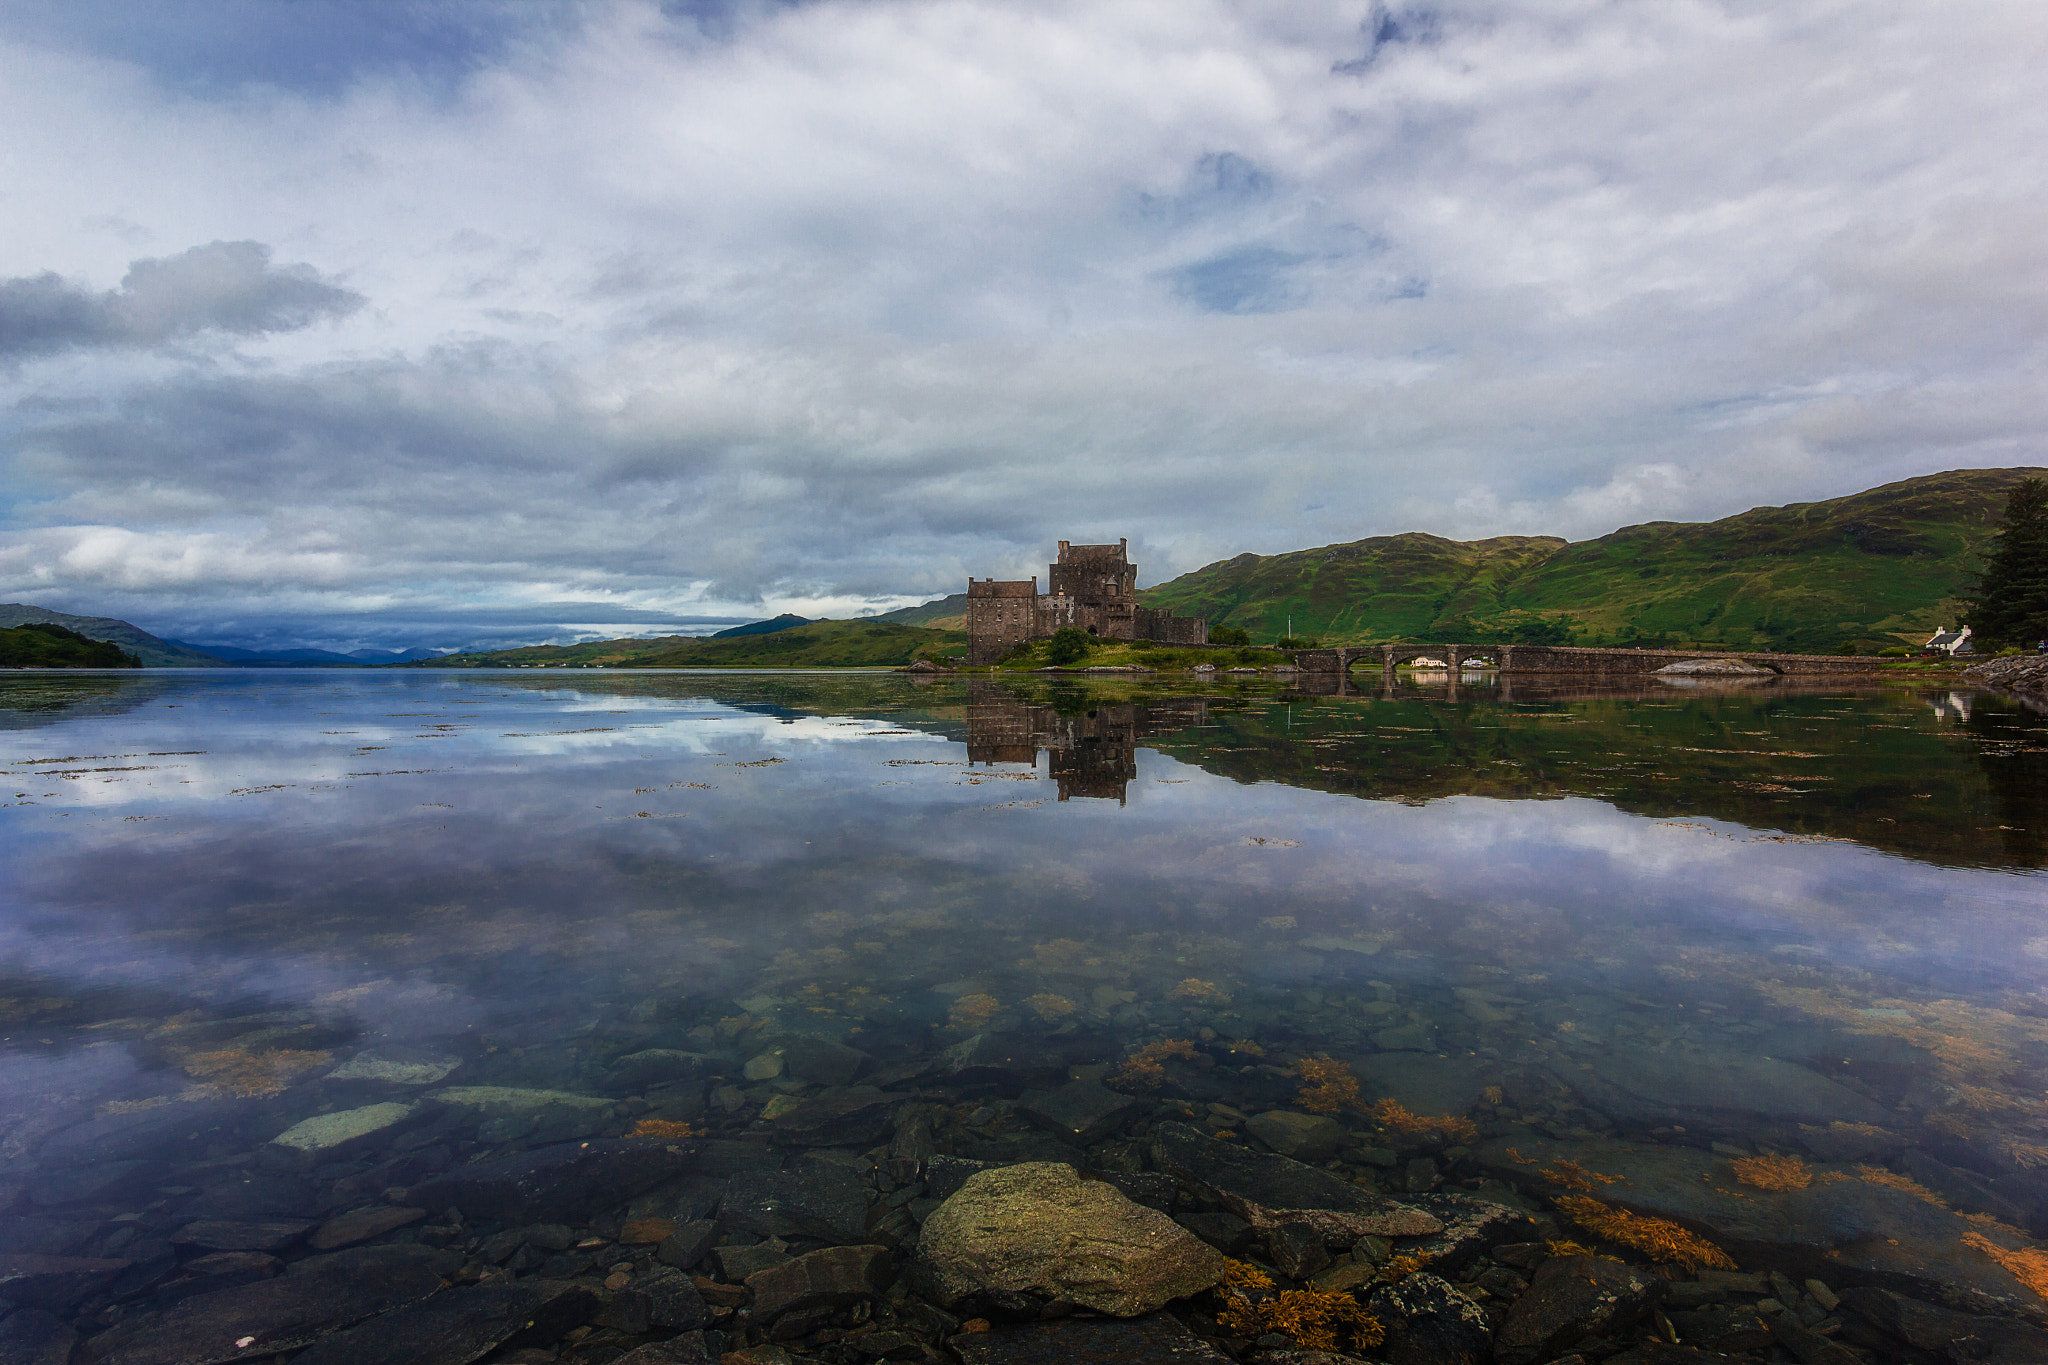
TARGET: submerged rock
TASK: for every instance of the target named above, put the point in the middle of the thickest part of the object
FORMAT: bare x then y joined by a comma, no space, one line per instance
559,1184
54,1283
1471,1228
235,1236
29,1336
685,1247
660,1066
1947,1333
1040,1229
1005,1062
1570,1299
1305,1137
47,1236
1647,1086
1267,1190
833,1278
460,1324
325,1136
823,1061
395,1069
1081,1112
857,1116
273,1316
1156,1340
814,1198
1428,1322
498,1099
360,1225
1838,1225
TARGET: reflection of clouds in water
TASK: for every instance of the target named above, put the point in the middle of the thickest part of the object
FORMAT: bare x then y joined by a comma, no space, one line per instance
519,865
256,759
1604,866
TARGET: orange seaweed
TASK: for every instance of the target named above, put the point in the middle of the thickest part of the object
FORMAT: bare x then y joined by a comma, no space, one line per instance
1145,1069
1654,1237
2028,1265
663,1128
1773,1172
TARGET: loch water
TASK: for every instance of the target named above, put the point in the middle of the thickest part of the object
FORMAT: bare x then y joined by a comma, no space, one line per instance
1566,945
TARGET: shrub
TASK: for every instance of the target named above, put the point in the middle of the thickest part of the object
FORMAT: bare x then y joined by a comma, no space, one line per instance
1895,652
1299,642
1229,635
1068,645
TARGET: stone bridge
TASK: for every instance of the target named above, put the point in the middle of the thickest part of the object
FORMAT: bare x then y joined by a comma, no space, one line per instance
1565,661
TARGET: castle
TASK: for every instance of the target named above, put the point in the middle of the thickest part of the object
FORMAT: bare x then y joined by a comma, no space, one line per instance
1089,587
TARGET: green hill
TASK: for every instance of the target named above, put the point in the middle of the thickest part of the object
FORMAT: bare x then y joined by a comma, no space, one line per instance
153,652
820,644
43,645
1874,569
946,613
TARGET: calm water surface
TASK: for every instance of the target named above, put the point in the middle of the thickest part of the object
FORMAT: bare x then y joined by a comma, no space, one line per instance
1807,922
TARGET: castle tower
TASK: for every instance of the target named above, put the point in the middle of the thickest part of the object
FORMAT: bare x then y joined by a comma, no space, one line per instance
1102,584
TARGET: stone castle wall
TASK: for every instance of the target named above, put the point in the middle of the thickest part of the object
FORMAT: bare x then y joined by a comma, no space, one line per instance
1092,588
1000,616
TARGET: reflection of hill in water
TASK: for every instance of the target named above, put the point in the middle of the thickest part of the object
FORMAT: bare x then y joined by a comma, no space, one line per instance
34,701
1812,764
1953,779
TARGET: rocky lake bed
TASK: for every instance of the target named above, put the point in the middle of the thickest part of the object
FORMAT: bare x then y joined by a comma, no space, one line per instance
763,1022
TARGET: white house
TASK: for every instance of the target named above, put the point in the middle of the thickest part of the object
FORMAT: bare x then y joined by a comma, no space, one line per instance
1951,642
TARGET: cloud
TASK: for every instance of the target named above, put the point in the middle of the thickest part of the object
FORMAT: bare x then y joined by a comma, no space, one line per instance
722,310
227,287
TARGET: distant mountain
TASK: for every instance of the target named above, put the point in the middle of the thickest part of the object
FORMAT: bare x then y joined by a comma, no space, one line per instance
153,652
786,621
945,613
44,644
305,658
815,644
1872,569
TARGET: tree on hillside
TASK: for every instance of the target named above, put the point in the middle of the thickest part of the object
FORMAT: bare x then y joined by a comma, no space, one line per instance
2011,607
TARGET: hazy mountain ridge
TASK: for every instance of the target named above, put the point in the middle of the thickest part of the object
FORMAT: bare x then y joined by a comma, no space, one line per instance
287,658
819,644
1866,569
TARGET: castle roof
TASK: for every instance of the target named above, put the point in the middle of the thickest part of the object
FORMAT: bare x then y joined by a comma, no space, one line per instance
1089,554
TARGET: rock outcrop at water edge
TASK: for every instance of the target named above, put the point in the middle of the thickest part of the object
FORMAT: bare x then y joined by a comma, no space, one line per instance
2022,673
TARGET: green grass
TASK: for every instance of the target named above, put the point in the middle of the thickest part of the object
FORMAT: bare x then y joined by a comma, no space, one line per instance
1870,570
821,644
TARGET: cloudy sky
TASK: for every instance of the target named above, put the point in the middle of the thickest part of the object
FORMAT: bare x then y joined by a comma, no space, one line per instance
347,323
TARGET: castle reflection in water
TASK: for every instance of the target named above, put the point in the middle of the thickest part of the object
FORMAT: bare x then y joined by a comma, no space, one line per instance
1093,752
